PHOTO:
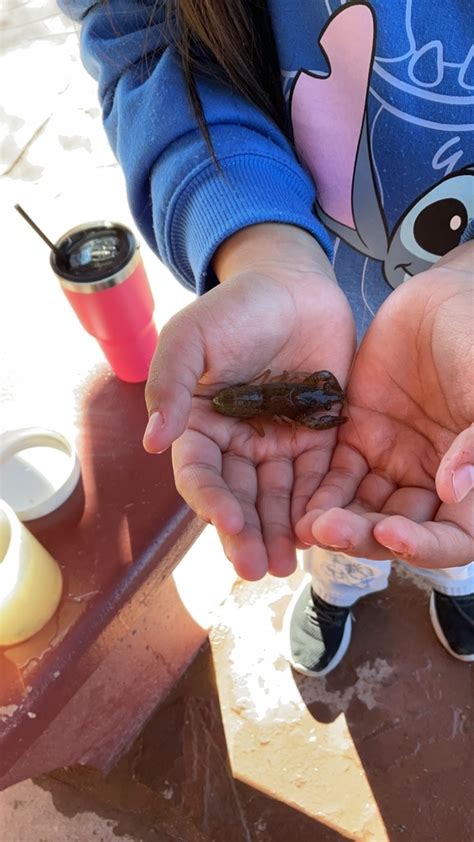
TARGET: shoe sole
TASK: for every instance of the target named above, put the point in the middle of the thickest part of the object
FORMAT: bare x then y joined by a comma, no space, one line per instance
440,634
343,646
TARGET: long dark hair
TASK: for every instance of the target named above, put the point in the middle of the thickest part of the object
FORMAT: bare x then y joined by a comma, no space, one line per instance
231,40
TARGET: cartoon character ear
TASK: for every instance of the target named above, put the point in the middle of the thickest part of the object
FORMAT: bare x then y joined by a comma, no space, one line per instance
330,132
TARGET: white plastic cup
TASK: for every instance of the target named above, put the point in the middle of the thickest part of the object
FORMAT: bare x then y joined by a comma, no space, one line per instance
30,581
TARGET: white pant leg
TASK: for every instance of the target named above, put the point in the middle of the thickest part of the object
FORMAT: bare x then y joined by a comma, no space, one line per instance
340,579
452,581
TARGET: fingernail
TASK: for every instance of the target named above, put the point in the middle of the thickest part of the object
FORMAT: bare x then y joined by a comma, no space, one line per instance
155,424
463,482
402,551
341,545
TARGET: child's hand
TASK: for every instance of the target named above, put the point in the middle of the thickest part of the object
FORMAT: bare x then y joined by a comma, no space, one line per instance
278,307
401,472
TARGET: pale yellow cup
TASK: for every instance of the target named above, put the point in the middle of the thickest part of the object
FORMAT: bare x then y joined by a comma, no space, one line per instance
30,581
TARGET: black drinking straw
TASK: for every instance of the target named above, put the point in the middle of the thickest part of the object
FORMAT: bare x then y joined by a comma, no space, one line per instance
38,230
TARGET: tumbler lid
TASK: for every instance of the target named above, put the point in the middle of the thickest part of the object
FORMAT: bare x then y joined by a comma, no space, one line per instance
39,470
93,251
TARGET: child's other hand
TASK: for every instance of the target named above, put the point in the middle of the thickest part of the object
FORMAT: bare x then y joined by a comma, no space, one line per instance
278,307
403,466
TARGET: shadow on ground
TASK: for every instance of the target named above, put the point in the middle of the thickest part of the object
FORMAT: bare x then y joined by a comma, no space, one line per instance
176,782
402,701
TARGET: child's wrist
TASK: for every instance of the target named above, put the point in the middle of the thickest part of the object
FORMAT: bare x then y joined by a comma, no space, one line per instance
269,246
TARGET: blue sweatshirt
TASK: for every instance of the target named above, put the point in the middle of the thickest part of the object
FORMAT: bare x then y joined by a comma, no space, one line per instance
380,98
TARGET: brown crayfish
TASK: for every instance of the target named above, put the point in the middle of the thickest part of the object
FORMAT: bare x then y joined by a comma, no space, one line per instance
288,398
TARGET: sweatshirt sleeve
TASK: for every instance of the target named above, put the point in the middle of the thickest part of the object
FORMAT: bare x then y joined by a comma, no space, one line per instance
184,207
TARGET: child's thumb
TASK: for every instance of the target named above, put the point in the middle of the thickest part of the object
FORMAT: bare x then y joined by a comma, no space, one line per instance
175,370
455,475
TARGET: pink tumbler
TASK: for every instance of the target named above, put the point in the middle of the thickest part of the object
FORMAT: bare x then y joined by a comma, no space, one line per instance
101,272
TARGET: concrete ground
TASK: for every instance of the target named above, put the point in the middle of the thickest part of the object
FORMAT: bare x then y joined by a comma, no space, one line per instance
243,750
246,750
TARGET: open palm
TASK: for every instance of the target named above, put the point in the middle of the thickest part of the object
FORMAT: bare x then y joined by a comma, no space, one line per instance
247,485
410,401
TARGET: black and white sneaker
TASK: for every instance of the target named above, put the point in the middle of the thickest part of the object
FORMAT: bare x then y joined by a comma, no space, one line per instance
453,621
316,634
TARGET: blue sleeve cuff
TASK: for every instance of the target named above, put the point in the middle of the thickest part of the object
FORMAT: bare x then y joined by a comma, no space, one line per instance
210,206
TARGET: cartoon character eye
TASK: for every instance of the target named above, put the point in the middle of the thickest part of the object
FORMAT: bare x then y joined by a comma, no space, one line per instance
435,223
438,227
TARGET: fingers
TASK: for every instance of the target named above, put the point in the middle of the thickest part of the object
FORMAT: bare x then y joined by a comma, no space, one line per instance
445,540
338,531
275,483
197,465
352,530
455,475
250,507
310,468
266,542
346,531
337,489
246,549
431,544
348,468
222,490
175,370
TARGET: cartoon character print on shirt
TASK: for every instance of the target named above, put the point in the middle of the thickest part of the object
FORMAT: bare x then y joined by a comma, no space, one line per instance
330,131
